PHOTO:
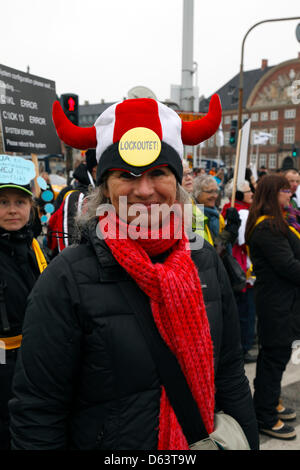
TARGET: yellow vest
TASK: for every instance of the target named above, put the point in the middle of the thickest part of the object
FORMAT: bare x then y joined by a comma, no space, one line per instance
264,217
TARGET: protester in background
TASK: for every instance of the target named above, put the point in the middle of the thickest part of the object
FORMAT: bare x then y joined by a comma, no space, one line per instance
293,178
251,179
215,232
21,261
206,192
245,298
187,178
291,211
94,384
199,172
85,173
275,254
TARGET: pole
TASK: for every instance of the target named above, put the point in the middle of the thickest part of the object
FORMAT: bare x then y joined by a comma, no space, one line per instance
69,162
186,98
241,86
37,189
236,167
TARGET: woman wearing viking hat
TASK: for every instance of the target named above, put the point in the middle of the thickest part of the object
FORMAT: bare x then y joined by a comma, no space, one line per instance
21,261
95,383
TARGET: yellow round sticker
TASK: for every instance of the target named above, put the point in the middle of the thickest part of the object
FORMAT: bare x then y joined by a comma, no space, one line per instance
139,146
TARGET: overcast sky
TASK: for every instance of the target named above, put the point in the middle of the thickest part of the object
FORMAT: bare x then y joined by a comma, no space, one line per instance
100,49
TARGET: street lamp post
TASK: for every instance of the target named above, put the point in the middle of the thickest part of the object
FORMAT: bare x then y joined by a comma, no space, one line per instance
241,86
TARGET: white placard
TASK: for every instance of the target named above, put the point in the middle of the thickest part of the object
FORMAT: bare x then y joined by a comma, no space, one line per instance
16,170
244,151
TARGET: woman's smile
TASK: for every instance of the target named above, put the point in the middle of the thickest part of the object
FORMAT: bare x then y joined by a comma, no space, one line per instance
133,197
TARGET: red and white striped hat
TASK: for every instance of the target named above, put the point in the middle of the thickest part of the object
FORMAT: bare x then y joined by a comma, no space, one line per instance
138,114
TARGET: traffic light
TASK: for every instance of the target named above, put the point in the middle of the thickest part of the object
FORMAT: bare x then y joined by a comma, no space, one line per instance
70,103
295,152
233,133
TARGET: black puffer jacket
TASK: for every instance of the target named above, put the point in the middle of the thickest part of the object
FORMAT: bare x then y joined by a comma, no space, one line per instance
276,262
18,274
85,378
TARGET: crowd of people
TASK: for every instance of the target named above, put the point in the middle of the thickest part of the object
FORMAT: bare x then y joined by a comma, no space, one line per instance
79,369
267,248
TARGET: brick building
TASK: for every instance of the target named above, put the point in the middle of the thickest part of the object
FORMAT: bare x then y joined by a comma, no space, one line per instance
269,100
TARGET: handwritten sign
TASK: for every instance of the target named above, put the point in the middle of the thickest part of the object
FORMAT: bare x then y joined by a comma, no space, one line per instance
16,170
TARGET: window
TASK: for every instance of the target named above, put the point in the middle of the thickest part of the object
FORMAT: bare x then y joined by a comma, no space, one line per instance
272,161
273,139
290,113
274,115
288,135
264,116
253,158
227,120
263,159
254,117
231,89
244,117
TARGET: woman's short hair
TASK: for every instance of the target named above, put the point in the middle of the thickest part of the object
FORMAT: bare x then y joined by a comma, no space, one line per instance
239,187
201,183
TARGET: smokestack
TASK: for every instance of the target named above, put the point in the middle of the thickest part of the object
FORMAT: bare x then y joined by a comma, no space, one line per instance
187,56
264,64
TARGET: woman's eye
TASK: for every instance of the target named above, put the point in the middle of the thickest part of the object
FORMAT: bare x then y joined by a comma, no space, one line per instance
127,176
157,172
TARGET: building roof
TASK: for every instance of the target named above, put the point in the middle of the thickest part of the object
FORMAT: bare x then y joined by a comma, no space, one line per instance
229,93
88,113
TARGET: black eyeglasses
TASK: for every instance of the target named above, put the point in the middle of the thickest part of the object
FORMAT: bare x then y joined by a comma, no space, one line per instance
212,191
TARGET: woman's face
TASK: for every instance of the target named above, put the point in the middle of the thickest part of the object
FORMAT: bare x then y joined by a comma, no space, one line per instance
141,196
209,195
284,197
187,180
15,209
248,194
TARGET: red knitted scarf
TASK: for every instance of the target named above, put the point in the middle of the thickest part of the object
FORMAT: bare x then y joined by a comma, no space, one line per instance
178,309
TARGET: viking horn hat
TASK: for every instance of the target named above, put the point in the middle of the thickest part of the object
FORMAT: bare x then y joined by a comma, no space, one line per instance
129,114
